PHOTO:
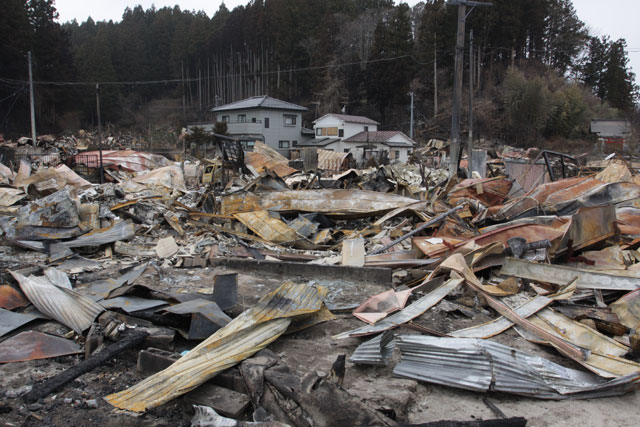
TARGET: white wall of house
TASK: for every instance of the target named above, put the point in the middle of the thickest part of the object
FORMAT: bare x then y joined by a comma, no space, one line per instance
399,153
349,128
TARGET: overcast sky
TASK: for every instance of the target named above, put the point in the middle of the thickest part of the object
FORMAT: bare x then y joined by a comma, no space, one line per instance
617,18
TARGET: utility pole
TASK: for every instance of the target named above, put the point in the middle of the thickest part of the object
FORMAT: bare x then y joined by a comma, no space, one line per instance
33,111
101,170
435,75
457,81
411,122
470,143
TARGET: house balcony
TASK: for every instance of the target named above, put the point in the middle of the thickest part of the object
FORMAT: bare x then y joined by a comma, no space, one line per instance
240,128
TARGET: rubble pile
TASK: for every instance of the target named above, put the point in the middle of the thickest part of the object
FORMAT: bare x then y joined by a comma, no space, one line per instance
277,296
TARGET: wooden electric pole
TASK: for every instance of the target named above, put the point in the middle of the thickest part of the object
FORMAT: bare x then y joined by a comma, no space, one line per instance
457,81
101,170
470,142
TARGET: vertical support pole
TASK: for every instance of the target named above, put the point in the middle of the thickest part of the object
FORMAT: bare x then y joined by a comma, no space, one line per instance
457,93
32,102
470,142
101,169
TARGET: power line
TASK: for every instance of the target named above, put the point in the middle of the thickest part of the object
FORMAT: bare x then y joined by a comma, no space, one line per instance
165,81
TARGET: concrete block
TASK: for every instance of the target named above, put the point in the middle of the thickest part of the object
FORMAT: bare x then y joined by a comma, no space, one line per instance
224,401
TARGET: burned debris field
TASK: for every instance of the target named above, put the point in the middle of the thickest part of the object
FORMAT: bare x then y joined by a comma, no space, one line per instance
287,293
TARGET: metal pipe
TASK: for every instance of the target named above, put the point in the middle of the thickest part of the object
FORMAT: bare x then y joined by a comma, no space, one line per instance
419,229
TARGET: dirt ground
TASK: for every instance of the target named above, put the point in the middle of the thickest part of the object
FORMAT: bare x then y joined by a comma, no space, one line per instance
312,349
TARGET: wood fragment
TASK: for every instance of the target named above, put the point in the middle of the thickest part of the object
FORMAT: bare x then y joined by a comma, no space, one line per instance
39,391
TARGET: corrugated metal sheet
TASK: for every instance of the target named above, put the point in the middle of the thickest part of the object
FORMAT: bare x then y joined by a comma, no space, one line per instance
604,357
328,202
408,313
376,351
267,227
561,275
64,305
247,334
332,160
501,324
482,365
264,157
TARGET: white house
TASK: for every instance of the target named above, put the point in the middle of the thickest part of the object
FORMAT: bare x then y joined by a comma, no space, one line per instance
262,118
358,135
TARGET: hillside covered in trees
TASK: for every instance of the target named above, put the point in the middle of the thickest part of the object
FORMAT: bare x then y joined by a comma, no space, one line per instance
538,73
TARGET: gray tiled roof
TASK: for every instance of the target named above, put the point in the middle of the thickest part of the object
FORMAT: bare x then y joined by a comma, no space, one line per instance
351,119
260,102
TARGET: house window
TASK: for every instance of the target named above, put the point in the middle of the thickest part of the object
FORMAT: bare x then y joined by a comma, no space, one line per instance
250,144
225,119
266,122
397,154
242,118
289,119
283,144
319,132
294,143
253,120
366,128
341,133
346,150
332,131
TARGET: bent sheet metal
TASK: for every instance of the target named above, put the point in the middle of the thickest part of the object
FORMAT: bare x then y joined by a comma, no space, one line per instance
245,335
408,313
58,302
483,365
329,202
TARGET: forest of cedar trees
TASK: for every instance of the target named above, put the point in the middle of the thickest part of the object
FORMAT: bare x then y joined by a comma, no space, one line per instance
538,74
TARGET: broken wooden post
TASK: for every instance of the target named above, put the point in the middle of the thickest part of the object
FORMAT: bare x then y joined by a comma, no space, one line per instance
132,340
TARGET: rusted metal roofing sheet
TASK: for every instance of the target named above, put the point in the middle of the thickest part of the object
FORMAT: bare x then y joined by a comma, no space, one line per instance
268,227
501,324
11,298
561,275
328,202
332,160
483,365
628,309
32,345
605,354
264,157
245,335
62,304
